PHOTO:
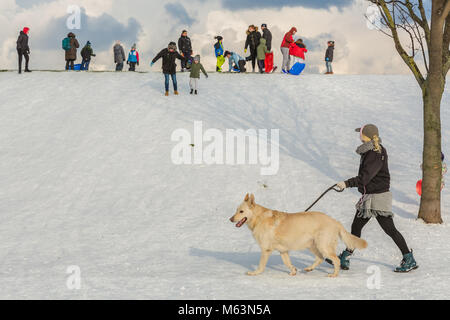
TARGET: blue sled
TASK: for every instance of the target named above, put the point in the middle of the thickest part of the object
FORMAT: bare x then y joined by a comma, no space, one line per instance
297,69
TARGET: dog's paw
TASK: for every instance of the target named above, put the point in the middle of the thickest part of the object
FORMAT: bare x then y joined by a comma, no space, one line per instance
253,273
332,275
308,269
293,272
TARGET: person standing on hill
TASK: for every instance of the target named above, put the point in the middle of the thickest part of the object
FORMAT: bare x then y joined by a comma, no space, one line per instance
185,47
262,50
86,54
253,39
267,35
219,51
285,45
373,182
329,55
23,50
119,55
196,67
133,58
169,67
71,50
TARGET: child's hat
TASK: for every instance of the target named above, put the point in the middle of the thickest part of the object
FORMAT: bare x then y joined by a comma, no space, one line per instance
197,58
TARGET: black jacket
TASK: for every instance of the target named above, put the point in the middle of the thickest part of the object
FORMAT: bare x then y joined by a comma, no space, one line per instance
329,54
168,65
87,53
373,176
268,36
22,42
253,40
185,45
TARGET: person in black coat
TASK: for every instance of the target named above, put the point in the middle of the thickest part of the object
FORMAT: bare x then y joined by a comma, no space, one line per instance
267,35
373,182
329,55
185,47
253,38
23,50
169,67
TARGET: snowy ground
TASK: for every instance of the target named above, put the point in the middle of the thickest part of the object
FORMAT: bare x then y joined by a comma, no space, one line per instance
87,180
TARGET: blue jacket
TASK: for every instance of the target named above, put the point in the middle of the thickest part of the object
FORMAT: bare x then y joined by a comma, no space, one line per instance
133,56
219,50
234,58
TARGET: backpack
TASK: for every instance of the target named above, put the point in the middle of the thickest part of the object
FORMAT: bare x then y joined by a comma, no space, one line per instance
66,44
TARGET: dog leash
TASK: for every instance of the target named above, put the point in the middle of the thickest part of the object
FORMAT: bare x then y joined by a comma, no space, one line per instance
323,194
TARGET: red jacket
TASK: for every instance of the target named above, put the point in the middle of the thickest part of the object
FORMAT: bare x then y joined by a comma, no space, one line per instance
288,38
296,51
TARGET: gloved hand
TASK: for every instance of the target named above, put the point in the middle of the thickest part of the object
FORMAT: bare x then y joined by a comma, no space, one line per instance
151,64
327,59
138,63
207,76
341,185
245,50
128,62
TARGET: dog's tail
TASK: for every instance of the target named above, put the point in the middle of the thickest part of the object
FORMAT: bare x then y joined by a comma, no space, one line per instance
352,242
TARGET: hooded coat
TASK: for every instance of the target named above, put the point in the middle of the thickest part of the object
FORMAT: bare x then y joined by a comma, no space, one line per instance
119,53
71,54
196,68
262,50
22,42
168,65
288,38
87,53
329,55
253,39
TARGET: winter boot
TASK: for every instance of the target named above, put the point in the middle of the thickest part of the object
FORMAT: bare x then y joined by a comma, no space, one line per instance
192,91
344,257
408,263
167,93
27,70
175,93
196,92
284,71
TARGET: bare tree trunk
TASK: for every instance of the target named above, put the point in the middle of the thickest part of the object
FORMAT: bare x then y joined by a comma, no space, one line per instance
433,90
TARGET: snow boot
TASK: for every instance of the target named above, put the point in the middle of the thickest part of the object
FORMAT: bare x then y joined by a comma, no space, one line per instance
27,70
344,257
284,71
196,92
192,91
408,263
175,93
167,93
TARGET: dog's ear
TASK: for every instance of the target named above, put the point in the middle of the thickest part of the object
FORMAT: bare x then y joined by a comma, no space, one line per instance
247,197
252,200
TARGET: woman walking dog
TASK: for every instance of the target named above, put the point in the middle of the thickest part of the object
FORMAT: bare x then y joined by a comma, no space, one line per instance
373,182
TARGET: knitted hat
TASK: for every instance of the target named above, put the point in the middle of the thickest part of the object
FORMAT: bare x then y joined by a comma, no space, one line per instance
88,43
133,46
197,58
264,25
369,130
172,46
25,30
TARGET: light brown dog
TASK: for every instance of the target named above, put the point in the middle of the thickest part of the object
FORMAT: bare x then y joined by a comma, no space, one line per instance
283,232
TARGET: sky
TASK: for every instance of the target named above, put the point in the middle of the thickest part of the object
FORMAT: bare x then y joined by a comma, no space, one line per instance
153,24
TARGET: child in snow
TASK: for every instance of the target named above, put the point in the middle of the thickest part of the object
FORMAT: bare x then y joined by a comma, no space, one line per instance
261,54
196,67
235,62
169,67
373,182
329,57
219,50
86,54
297,52
133,58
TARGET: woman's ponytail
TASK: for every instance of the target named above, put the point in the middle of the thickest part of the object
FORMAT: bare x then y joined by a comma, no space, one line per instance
376,144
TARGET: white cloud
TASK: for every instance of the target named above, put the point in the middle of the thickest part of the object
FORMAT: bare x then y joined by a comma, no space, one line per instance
358,49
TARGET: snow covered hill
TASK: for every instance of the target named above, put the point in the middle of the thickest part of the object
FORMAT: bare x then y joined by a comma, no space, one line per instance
87,180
